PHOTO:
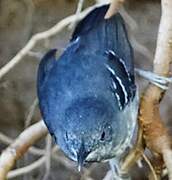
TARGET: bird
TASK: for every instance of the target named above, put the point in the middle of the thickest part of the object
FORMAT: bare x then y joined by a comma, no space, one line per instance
88,96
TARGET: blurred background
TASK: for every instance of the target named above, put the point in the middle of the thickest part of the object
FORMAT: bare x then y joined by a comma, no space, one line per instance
19,20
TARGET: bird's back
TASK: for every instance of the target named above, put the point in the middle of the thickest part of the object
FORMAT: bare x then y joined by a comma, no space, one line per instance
101,35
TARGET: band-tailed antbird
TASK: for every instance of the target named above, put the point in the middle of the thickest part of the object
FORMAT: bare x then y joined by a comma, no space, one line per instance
87,97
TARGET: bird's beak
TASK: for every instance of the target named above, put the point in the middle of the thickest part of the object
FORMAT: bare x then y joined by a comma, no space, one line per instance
81,156
80,165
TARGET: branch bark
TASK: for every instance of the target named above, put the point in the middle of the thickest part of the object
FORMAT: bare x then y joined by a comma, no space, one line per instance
17,149
155,133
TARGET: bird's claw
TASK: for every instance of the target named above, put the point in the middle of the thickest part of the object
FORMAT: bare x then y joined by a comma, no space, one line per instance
117,174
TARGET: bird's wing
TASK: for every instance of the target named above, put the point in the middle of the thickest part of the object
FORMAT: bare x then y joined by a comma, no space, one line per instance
123,85
90,21
101,34
46,65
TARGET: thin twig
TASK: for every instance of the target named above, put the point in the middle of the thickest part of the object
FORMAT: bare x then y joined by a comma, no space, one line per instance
78,11
114,7
41,36
128,19
26,169
101,2
150,166
33,150
167,155
134,154
31,112
86,175
66,162
29,19
48,157
37,55
133,27
141,48
5,139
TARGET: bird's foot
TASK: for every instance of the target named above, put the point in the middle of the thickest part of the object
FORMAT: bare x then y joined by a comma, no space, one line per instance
117,174
155,79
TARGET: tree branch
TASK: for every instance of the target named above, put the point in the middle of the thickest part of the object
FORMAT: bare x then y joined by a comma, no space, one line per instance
41,36
155,133
135,154
33,150
17,149
114,7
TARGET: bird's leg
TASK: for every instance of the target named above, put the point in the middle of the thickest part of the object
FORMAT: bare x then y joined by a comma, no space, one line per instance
117,174
155,79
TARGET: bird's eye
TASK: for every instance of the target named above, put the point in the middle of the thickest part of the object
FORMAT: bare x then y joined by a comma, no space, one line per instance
102,136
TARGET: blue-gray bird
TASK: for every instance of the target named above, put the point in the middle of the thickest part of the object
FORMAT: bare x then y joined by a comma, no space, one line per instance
87,97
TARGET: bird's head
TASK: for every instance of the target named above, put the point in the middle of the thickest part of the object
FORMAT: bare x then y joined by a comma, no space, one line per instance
89,131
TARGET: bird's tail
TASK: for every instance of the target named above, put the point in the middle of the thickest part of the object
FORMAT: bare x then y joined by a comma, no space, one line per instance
102,35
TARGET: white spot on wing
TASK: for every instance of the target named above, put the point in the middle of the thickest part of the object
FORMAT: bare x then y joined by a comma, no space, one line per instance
123,88
112,52
119,80
114,85
123,63
110,69
76,40
125,69
118,98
